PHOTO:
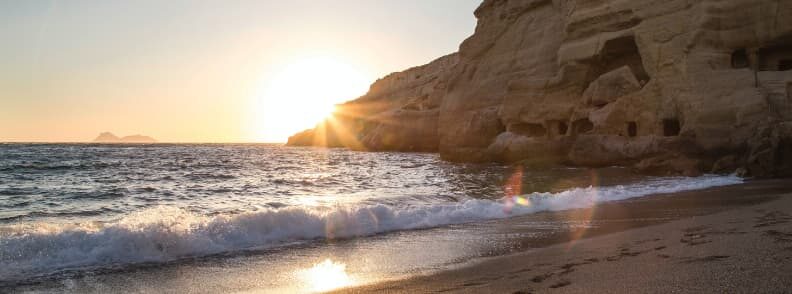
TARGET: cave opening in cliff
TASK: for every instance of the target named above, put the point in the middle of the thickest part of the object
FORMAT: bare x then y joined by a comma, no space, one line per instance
789,91
632,129
582,126
776,58
615,54
671,127
528,129
557,128
785,65
739,59
562,128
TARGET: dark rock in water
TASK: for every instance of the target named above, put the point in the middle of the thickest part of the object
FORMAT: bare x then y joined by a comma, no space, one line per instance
771,151
675,86
669,164
108,137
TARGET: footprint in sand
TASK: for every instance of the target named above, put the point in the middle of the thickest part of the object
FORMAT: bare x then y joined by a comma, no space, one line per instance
772,218
541,278
693,239
709,258
562,283
778,236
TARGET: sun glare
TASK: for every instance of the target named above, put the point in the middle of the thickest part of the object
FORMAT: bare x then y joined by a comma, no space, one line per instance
303,93
327,275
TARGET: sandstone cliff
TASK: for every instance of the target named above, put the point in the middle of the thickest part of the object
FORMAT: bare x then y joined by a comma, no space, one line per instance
677,86
400,113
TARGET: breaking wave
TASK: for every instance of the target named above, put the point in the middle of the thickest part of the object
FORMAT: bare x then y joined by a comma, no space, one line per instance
165,234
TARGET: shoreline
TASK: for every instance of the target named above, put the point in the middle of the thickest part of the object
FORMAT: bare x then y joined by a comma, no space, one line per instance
459,253
747,248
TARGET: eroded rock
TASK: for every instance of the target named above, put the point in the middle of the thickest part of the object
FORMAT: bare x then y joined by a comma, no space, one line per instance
669,85
670,164
611,86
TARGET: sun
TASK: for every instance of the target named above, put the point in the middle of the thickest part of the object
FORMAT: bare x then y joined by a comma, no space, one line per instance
303,93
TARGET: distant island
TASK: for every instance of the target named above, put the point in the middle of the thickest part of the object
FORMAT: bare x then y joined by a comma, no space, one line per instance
108,137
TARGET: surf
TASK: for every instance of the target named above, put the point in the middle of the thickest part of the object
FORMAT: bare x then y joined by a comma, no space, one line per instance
163,234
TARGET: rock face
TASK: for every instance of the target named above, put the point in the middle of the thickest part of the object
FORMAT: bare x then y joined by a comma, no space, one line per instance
671,86
399,113
108,137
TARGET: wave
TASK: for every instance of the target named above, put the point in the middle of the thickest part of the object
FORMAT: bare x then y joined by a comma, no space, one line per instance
165,234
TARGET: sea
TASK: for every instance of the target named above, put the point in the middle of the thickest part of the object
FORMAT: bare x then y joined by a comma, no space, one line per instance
255,217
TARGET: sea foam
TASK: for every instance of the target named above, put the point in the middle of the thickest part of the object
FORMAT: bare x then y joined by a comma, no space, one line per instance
165,234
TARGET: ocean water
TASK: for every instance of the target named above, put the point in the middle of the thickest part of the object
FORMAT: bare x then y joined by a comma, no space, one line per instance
85,207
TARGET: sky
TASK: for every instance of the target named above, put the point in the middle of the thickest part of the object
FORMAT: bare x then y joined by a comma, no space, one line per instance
205,71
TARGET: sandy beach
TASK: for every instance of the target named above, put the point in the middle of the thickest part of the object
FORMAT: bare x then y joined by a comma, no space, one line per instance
476,146
746,249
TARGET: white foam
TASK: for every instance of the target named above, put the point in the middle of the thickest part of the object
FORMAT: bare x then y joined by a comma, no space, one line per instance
165,234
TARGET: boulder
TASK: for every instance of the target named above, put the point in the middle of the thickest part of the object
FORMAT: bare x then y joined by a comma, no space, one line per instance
670,164
511,147
771,152
403,130
611,86
726,164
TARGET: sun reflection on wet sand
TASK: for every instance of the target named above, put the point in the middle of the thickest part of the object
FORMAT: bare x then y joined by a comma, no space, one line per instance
325,276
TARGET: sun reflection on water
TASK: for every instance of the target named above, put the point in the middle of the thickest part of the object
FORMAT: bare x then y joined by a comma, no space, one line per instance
327,275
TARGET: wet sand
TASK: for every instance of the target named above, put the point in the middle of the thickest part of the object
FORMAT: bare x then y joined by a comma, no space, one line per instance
743,247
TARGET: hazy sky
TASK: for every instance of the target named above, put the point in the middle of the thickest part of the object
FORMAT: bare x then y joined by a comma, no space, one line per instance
190,71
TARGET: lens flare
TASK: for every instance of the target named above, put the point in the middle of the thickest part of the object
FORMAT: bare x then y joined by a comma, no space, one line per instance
513,189
514,197
522,201
586,217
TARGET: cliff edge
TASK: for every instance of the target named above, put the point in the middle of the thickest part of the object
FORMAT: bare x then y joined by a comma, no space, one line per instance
671,86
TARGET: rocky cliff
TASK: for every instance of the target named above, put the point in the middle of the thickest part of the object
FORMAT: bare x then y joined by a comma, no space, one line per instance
667,86
399,113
